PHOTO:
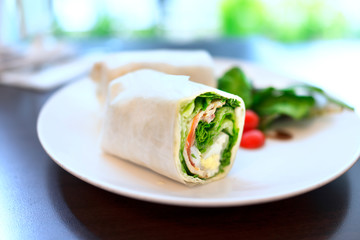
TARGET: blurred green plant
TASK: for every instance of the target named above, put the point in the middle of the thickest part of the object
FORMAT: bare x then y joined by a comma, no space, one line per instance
104,27
283,20
242,17
150,32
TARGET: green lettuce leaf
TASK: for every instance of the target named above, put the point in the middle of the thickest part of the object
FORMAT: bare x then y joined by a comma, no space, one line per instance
207,132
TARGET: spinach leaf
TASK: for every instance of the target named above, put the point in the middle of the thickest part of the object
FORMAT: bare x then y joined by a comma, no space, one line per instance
277,104
316,90
271,103
235,81
275,101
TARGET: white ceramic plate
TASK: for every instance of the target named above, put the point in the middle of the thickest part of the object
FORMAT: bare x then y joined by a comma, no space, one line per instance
321,150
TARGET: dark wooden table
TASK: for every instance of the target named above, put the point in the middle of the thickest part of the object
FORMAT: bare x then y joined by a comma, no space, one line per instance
39,200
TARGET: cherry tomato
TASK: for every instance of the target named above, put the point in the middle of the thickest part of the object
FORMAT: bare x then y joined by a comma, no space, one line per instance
252,139
251,120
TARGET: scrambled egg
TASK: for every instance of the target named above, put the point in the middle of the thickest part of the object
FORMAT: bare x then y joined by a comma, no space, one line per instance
212,162
207,164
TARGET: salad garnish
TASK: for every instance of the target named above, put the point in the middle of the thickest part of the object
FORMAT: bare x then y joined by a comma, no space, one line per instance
270,104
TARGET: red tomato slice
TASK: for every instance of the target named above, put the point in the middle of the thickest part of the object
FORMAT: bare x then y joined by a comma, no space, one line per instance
252,139
251,120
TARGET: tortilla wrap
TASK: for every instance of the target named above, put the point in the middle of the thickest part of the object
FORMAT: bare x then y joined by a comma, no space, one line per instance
150,117
197,64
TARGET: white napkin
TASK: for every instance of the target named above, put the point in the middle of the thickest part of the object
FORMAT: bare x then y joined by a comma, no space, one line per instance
50,77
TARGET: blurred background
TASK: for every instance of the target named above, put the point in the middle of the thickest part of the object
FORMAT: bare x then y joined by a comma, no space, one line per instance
312,40
287,21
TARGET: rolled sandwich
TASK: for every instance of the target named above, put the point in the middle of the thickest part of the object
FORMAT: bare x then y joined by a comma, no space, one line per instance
197,64
180,129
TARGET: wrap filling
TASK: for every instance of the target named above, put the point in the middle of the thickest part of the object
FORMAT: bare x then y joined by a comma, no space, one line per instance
208,133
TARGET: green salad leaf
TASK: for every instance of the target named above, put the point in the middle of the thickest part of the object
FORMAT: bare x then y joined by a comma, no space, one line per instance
271,104
312,89
296,102
234,81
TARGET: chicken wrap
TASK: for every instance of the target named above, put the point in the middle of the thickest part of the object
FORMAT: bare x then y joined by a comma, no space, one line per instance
197,64
180,129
